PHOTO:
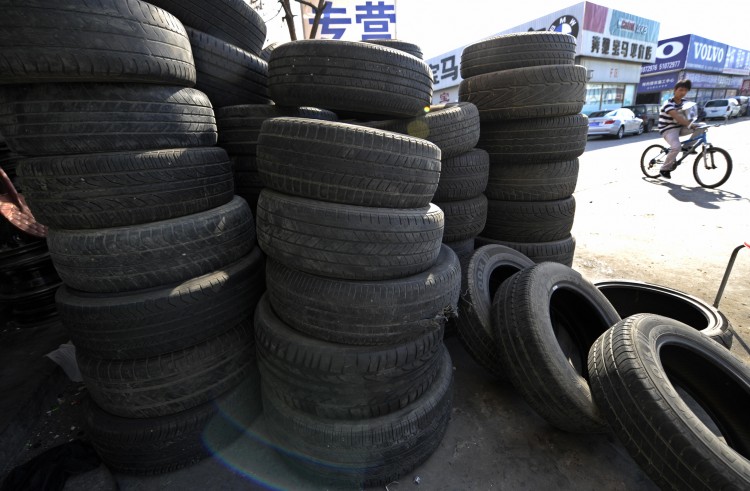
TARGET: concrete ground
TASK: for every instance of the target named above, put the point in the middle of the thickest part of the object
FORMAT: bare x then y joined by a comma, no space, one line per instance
627,226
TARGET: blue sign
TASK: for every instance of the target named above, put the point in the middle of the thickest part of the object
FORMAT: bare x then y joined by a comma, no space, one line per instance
738,61
657,83
706,55
671,55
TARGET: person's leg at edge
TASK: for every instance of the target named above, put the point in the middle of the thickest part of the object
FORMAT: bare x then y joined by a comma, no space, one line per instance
672,137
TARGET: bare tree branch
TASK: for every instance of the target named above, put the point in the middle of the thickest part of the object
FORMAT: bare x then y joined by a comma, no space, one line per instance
316,21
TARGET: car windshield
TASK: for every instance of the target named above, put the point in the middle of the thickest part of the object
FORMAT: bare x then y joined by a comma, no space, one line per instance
719,103
597,114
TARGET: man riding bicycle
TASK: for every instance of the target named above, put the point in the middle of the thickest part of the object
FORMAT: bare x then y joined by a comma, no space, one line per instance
673,124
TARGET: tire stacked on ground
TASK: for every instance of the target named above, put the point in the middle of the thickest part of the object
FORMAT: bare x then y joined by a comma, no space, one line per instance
350,331
529,94
159,261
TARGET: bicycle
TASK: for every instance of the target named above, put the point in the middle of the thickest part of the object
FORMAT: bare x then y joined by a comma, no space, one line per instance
711,168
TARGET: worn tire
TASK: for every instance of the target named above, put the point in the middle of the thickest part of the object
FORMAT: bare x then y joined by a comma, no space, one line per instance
61,119
348,164
559,251
404,46
354,79
545,318
464,219
463,176
530,221
46,42
119,189
247,182
343,311
636,369
524,93
347,241
158,253
532,181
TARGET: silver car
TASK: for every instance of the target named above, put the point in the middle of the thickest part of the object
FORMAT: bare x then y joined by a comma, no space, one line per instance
617,123
722,109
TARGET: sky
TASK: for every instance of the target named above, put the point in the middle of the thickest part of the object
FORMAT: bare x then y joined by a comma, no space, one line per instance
438,26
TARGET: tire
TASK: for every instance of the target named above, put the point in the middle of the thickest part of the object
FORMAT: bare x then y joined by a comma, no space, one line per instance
367,452
721,163
652,159
662,387
233,21
172,382
354,79
62,119
227,74
239,126
147,323
165,444
464,219
532,181
454,128
463,176
552,139
403,46
545,318
142,256
559,251
649,126
634,297
524,93
529,221
640,129
129,188
343,312
347,164
330,380
265,54
620,133
44,42
247,182
348,242
488,267
517,50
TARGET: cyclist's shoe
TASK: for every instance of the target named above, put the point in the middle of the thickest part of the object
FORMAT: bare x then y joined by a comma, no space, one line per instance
666,174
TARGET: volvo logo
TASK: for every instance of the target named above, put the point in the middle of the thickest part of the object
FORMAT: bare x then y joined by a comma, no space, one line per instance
669,50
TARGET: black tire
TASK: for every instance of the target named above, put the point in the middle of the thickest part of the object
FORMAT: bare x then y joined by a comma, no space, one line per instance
464,219
45,42
265,54
61,119
559,251
552,139
344,312
247,182
517,50
488,267
351,78
463,176
239,126
719,170
348,164
227,74
368,452
677,402
234,21
404,46
158,253
454,128
335,381
532,181
165,444
346,241
545,318
652,159
120,189
529,221
649,126
172,382
631,297
523,93
147,323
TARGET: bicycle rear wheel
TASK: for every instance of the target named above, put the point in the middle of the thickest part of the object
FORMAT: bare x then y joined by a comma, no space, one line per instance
713,170
652,160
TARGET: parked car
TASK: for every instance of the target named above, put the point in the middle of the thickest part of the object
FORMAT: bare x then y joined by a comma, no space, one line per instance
742,100
722,108
649,113
617,123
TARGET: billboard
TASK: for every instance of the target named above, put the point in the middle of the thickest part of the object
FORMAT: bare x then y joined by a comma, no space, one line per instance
706,55
609,33
352,20
738,61
657,83
671,55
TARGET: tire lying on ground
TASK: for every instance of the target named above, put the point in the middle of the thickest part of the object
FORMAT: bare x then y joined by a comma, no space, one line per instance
354,79
347,241
404,46
46,42
545,318
529,221
559,251
677,401
129,188
357,312
347,164
532,181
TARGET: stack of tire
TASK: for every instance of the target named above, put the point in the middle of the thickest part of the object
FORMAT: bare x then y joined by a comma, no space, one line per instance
529,94
356,381
159,260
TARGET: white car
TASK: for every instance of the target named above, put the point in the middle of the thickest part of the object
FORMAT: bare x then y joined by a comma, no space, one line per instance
617,123
722,108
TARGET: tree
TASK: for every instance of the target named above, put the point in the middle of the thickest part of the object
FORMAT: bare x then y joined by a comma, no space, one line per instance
286,6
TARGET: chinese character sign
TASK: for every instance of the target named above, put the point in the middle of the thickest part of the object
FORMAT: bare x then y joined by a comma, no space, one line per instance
445,69
353,20
609,33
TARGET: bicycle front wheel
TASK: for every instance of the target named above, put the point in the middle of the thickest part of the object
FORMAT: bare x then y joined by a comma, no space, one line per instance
712,167
652,160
